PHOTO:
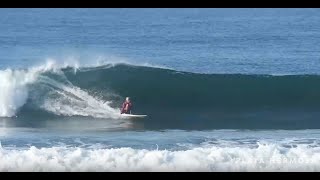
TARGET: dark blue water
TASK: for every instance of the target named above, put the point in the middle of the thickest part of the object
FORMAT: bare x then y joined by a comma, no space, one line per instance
224,89
258,41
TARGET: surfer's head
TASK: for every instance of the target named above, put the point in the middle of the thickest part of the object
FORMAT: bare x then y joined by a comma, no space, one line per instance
127,99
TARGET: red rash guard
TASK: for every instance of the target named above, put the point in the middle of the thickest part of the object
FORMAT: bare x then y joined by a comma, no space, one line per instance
124,110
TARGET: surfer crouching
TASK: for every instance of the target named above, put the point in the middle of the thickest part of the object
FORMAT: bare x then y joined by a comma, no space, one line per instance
126,106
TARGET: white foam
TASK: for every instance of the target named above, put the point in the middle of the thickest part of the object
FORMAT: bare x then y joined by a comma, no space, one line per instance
71,100
14,92
14,86
266,157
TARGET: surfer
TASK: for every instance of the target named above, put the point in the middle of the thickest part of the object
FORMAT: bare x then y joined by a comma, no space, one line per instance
126,106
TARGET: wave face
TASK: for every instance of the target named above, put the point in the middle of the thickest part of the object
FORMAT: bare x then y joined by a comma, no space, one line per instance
171,98
169,88
264,157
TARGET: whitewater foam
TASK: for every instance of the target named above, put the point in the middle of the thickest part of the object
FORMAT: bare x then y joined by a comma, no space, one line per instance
13,90
15,87
266,157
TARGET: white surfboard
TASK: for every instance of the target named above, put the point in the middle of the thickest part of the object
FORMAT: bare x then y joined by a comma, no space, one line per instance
133,116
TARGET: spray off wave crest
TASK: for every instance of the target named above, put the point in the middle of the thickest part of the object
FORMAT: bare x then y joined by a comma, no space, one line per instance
36,87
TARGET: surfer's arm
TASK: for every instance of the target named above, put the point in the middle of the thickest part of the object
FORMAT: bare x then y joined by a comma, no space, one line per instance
122,108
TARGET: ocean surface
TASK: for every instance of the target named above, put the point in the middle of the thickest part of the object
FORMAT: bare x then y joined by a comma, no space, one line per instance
224,89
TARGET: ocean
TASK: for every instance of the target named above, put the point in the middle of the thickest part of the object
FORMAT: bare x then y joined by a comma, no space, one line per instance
224,89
